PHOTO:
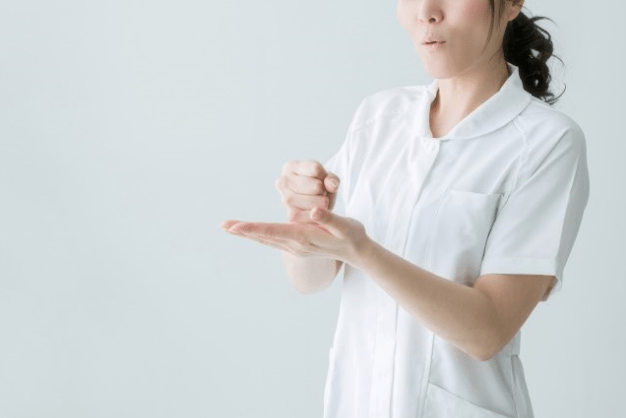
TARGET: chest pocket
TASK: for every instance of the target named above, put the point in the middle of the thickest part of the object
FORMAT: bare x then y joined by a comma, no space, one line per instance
457,237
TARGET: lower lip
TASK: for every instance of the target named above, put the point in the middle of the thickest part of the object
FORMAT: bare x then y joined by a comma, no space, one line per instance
434,46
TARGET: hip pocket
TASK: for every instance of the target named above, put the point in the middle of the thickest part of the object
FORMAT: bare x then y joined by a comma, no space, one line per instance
440,403
520,390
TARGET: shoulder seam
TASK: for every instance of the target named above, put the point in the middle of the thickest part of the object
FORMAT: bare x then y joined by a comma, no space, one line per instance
374,118
383,113
523,156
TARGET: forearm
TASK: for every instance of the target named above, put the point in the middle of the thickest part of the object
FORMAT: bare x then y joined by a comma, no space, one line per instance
310,274
460,314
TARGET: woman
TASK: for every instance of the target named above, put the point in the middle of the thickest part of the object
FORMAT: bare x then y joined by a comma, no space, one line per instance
462,202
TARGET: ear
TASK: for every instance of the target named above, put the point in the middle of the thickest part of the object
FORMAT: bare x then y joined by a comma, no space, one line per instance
514,8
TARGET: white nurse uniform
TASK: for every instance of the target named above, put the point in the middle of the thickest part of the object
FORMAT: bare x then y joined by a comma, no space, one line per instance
503,192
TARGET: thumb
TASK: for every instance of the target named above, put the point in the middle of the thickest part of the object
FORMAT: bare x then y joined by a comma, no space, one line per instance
329,180
331,189
329,220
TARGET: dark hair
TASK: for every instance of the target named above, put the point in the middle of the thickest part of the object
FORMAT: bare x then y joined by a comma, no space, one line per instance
521,38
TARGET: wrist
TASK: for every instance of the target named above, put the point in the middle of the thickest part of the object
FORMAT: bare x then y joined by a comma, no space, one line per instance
364,250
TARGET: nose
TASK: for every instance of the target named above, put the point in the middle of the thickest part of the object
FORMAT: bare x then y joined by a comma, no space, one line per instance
429,11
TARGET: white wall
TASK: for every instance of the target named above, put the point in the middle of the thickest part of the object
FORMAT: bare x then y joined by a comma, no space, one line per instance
129,130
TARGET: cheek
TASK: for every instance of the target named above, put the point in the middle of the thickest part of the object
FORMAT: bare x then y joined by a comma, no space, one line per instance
477,11
402,14
475,15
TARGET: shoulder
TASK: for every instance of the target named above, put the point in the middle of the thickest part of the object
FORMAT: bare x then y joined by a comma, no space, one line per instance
385,104
550,138
543,127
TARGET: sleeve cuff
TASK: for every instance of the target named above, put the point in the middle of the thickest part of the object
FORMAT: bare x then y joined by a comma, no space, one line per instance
541,266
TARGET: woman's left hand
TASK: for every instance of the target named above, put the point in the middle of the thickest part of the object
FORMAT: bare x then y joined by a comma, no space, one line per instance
330,236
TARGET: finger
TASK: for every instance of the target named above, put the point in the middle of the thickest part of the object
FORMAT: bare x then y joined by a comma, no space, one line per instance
306,185
332,194
332,198
276,240
229,223
311,168
300,216
258,239
270,230
332,182
285,245
292,241
305,203
331,222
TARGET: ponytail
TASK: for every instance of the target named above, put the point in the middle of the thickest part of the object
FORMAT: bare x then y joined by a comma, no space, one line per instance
528,46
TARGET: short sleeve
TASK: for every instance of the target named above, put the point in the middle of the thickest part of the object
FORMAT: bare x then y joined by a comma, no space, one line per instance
340,162
535,229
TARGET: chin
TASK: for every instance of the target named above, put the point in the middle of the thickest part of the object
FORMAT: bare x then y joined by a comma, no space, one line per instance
434,66
436,71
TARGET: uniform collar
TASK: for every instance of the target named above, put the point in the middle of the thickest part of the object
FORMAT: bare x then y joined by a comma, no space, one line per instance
492,114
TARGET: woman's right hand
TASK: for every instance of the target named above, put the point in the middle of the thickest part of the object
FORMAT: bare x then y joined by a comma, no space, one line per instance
304,185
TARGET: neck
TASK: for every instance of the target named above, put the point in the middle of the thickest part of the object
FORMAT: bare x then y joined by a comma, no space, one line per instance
458,96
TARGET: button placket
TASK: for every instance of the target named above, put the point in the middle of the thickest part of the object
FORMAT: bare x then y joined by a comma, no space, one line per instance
387,308
382,374
432,147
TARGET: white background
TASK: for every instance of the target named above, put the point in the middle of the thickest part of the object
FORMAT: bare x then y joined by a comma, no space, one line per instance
130,129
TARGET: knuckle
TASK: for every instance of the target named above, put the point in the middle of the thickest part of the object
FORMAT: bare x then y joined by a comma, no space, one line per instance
318,169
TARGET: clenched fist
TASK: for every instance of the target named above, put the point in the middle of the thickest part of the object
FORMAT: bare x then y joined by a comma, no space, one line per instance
305,185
